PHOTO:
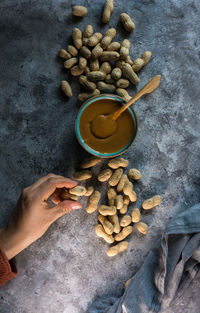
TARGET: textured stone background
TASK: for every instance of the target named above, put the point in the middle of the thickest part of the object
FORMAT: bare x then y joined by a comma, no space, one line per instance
67,269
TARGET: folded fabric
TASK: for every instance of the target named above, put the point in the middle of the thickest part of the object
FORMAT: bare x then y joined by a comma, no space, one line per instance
167,271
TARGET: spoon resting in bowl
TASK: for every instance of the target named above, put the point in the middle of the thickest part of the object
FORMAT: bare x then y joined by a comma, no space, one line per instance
104,126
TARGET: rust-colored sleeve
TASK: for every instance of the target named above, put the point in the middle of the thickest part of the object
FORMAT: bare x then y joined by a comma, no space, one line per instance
8,269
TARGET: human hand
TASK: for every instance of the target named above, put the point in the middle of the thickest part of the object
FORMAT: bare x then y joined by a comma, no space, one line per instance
33,214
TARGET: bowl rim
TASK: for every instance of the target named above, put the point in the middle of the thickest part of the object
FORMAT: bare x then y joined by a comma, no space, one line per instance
108,96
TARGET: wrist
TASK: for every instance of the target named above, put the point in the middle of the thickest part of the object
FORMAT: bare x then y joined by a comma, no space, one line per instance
12,243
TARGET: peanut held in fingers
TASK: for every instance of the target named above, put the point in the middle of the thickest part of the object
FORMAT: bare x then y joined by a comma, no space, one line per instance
115,221
142,228
106,210
82,175
78,191
93,202
136,215
125,232
101,233
115,178
108,227
120,247
125,221
152,202
134,174
79,10
67,196
104,175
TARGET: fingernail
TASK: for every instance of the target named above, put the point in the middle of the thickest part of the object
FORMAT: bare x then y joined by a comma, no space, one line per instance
76,207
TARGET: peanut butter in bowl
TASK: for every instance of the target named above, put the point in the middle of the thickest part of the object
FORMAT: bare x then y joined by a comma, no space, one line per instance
124,132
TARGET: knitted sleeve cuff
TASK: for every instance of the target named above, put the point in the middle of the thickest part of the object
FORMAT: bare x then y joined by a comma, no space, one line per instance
8,268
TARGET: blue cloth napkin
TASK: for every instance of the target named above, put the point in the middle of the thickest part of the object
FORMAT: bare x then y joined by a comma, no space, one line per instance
167,270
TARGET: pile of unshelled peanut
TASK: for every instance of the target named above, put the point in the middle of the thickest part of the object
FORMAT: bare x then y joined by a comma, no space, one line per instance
103,65
114,223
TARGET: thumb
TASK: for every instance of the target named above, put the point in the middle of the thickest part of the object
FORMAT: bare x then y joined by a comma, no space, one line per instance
66,206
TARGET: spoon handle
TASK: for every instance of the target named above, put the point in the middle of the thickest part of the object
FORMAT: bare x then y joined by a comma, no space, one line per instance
148,88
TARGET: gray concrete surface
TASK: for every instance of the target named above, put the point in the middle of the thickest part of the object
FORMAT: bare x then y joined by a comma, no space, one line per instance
67,270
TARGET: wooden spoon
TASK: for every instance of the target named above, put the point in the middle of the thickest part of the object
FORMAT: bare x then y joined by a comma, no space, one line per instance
148,88
103,126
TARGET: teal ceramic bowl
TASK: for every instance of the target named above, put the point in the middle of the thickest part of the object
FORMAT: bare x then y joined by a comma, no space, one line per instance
77,130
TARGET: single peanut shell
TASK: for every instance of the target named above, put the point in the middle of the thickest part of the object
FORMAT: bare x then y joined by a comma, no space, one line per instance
89,191
82,175
90,162
125,232
119,202
152,202
115,178
93,202
106,210
111,193
142,228
120,247
108,226
125,221
101,233
115,221
79,10
66,88
136,215
118,162
104,175
121,183
134,174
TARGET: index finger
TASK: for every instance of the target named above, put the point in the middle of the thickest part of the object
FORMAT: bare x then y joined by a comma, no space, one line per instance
46,189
